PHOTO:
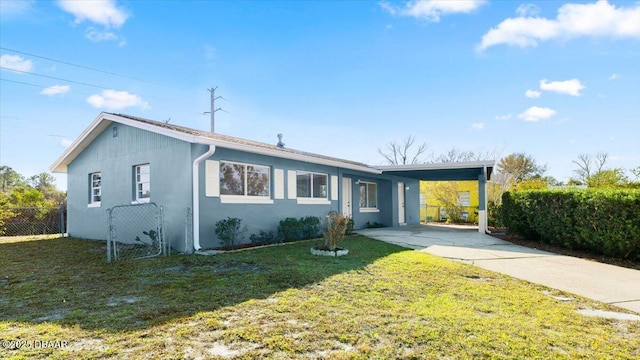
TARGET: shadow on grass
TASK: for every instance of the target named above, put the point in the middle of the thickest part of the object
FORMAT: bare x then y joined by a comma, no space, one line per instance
67,281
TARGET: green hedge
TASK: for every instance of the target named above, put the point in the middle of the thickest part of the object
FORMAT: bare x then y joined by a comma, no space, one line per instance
601,221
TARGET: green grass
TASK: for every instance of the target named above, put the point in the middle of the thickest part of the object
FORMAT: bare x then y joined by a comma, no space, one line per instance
380,301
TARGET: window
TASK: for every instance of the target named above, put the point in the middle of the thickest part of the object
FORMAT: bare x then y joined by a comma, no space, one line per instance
95,189
368,196
244,180
142,183
464,198
311,185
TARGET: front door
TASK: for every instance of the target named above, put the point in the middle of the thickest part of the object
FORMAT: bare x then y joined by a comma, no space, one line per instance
347,195
401,220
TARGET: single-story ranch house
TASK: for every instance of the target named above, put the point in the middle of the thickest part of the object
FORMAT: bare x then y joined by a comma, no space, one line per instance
121,159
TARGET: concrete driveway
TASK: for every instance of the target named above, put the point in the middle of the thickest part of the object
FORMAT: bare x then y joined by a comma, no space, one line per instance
602,282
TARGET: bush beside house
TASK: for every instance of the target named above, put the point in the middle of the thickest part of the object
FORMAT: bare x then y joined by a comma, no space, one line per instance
603,221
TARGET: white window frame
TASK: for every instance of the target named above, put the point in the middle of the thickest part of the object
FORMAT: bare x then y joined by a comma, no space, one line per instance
137,170
366,200
245,199
92,187
464,198
311,200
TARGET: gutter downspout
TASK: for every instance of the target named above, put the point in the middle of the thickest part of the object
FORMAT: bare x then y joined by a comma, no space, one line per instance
196,196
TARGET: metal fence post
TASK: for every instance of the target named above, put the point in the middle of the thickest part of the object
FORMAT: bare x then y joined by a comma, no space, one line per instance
109,233
62,222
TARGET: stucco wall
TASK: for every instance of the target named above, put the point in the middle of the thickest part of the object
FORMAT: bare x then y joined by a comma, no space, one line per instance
115,157
267,216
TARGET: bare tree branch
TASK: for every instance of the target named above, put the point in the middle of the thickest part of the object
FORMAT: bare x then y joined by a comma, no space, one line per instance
398,154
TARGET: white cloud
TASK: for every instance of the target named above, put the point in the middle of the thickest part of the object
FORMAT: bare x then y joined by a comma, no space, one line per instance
15,7
210,52
532,94
432,10
98,36
614,76
569,87
66,142
15,62
504,117
478,126
116,100
528,10
103,12
56,90
574,20
536,113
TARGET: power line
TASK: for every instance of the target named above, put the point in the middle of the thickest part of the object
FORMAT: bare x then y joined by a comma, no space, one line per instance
84,67
77,93
39,86
75,82
54,78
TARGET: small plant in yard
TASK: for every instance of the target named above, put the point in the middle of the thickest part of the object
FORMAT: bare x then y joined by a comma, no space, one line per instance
373,225
152,234
336,228
230,231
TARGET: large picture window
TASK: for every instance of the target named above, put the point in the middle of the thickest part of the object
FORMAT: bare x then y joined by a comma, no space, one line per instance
368,195
95,189
244,179
142,174
311,185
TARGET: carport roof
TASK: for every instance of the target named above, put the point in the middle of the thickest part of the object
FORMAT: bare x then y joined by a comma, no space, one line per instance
469,170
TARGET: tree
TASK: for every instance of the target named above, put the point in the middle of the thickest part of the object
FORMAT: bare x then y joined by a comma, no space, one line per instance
9,179
588,165
43,181
612,178
403,153
520,167
456,155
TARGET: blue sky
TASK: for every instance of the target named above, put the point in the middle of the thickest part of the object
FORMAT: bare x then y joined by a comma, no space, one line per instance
552,79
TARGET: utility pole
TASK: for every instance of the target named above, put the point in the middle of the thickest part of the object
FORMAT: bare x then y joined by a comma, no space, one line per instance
213,107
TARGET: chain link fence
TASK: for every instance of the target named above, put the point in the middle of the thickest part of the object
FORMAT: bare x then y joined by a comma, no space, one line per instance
135,232
20,221
451,214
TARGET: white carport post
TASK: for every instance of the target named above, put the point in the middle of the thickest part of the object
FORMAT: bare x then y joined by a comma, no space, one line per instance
482,203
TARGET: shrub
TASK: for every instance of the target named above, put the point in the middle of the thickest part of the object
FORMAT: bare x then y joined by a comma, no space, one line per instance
603,221
230,231
291,229
264,238
336,228
494,214
310,227
373,225
349,227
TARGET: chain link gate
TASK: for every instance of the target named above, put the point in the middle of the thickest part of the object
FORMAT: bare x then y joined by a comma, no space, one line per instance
136,232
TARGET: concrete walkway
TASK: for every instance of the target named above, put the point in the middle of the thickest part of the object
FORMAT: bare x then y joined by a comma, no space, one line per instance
602,282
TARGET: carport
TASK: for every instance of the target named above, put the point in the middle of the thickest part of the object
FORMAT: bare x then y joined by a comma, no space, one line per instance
454,171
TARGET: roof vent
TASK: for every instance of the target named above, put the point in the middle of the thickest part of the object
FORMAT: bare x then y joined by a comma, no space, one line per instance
280,144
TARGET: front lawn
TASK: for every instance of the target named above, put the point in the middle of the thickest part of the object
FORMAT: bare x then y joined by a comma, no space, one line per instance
380,301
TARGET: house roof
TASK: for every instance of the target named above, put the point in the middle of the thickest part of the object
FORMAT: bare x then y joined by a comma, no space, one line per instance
440,171
105,119
468,170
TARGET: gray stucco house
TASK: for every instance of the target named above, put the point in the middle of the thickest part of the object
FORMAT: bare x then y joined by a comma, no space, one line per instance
121,159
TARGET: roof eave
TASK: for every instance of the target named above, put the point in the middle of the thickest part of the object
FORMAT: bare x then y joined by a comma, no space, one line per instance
102,122
439,166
